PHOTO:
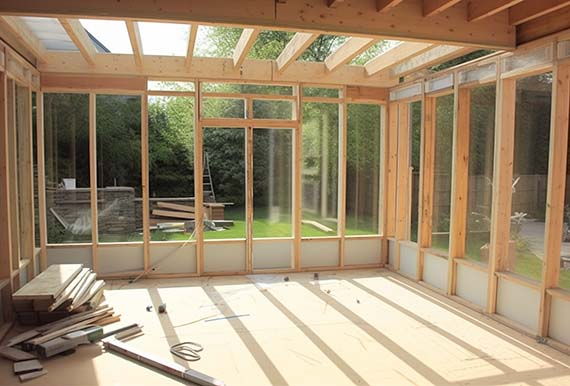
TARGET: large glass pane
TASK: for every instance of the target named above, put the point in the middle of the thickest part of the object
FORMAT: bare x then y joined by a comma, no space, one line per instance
66,141
415,152
171,167
530,171
223,108
320,169
272,109
442,168
224,183
480,183
119,193
363,169
272,182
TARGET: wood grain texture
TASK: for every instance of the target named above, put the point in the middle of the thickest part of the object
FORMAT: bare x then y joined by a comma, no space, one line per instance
50,283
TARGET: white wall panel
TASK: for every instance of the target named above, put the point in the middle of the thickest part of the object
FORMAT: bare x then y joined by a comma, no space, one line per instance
472,285
318,253
519,303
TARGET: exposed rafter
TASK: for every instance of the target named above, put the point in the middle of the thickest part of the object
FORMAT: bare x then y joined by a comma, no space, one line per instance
530,10
431,57
299,43
548,24
353,47
431,7
384,5
395,55
78,35
191,45
23,34
244,44
480,9
135,38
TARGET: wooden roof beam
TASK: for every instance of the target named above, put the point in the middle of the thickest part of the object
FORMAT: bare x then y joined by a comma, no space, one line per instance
334,3
26,37
395,55
79,36
480,9
353,47
384,5
296,46
529,10
191,45
244,44
432,7
431,57
136,44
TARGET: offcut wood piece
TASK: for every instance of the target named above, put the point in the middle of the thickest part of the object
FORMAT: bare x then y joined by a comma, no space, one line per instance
22,337
54,326
27,366
50,283
15,355
63,331
70,289
32,375
85,286
178,207
94,290
317,225
169,213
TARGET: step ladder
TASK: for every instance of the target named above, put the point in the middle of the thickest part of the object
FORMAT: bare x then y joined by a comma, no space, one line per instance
207,184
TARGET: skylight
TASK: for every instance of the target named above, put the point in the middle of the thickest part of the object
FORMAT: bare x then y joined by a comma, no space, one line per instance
377,49
50,33
216,42
322,47
112,34
166,39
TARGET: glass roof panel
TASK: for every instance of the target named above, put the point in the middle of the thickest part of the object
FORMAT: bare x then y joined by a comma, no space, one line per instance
322,47
377,49
167,39
216,42
50,33
111,34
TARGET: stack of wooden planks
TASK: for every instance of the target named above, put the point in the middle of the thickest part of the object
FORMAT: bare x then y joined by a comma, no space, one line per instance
173,211
56,293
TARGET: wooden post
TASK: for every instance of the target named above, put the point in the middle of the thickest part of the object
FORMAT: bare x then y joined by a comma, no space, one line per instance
459,182
40,148
93,180
297,179
427,164
402,190
342,140
384,204
392,170
557,166
13,175
502,185
145,182
249,198
198,183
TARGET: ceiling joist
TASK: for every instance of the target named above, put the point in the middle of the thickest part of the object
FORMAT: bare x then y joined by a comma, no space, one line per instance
480,9
77,34
191,45
431,57
353,47
135,38
432,7
244,44
395,55
384,5
334,3
529,10
299,43
23,34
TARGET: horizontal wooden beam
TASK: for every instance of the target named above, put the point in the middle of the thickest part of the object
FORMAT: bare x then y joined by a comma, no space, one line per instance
431,57
431,7
214,68
480,9
395,55
23,35
349,50
544,26
334,3
191,45
244,44
299,43
90,82
533,9
404,22
384,5
78,35
136,44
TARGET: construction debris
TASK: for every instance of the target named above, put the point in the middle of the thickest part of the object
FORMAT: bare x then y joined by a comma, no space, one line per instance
162,308
32,375
27,366
15,355
58,292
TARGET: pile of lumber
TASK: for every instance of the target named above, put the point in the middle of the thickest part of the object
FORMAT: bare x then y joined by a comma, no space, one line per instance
173,211
58,292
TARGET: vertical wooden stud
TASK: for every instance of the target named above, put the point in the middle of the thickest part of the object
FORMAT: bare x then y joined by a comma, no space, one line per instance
392,172
13,175
5,204
342,149
402,179
249,198
198,183
145,182
93,180
297,180
384,204
40,148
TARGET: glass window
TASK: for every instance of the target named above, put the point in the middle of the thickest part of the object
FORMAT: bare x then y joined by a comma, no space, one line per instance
480,183
272,182
320,169
363,169
154,41
530,171
171,167
415,153
110,36
321,92
66,141
272,109
224,183
223,108
119,192
442,172
247,88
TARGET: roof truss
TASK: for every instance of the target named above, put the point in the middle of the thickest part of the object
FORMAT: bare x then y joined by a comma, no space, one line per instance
246,41
353,47
136,44
395,55
78,35
299,43
23,34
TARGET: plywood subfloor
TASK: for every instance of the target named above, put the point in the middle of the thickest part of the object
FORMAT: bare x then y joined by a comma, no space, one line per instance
369,327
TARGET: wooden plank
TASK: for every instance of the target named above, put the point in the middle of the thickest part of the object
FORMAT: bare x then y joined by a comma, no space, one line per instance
530,10
480,9
145,181
459,181
432,56
22,338
60,332
93,181
318,225
5,205
50,283
244,44
173,214
432,7
62,82
13,177
84,288
296,46
136,43
178,207
191,45
402,191
342,149
297,179
334,3
385,5
544,26
556,189
79,36
70,320
70,291
249,199
392,170
23,34
32,375
395,55
27,366
41,179
15,355
199,176
502,185
367,94
350,49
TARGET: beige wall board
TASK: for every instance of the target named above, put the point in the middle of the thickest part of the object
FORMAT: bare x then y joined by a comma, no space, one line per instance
559,317
273,255
435,271
362,251
23,275
316,253
225,257
471,285
391,252
408,260
116,259
173,258
510,303
69,256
